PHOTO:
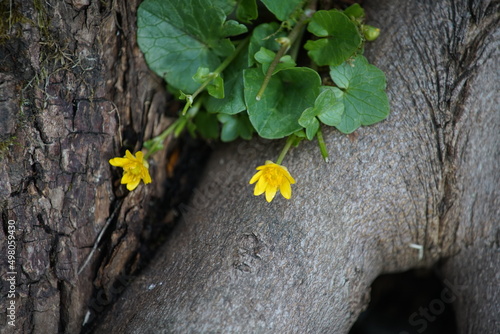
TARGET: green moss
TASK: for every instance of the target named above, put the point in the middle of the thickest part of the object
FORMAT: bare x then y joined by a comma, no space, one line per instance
13,16
42,20
5,144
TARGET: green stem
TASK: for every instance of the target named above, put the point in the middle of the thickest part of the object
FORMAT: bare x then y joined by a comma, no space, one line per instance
296,32
176,128
322,145
285,149
229,59
217,72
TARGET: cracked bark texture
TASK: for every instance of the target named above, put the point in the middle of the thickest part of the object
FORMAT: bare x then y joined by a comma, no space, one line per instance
73,83
429,175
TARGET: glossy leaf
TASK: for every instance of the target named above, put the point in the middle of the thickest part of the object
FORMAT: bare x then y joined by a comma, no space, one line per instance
247,10
266,57
226,5
355,11
177,40
288,94
234,126
282,9
340,38
207,125
264,36
309,121
328,108
233,101
363,93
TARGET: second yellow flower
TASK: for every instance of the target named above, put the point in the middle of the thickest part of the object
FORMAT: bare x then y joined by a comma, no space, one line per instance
271,177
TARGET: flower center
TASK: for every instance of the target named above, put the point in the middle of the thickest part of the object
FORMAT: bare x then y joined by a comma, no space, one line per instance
136,169
274,177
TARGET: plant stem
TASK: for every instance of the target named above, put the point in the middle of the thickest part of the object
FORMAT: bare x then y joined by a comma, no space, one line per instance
285,149
296,32
217,72
229,59
322,145
176,128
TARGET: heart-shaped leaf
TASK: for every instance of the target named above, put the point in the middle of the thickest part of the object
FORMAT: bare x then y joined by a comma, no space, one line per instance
363,93
287,95
340,38
177,40
328,107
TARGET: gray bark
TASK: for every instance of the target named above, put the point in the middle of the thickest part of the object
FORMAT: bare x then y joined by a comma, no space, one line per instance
429,175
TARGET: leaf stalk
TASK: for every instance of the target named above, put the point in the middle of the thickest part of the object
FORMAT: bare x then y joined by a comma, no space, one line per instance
285,45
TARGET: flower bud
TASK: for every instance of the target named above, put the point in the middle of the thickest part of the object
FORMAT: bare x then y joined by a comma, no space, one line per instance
371,33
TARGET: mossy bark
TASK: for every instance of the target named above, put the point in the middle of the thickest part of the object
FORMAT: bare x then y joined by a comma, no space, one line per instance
74,92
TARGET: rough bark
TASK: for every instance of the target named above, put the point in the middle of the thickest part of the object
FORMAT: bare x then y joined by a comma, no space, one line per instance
429,175
72,85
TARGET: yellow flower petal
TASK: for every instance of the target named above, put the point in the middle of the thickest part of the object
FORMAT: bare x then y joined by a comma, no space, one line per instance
129,155
127,178
132,185
260,187
286,190
135,169
270,193
288,175
255,177
118,162
271,177
146,177
139,155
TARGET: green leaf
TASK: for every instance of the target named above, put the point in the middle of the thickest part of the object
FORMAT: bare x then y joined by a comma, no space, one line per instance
234,126
355,11
328,107
266,57
309,121
341,38
288,93
298,137
233,28
233,101
282,9
177,40
363,93
215,87
226,5
202,74
247,10
207,125
154,145
264,36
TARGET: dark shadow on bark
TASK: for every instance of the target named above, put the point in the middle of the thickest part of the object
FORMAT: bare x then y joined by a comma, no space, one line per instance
415,301
163,214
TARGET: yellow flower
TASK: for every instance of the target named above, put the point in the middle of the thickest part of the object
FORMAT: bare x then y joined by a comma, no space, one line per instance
135,169
270,177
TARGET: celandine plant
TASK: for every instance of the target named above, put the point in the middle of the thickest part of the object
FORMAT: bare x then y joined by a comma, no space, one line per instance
240,79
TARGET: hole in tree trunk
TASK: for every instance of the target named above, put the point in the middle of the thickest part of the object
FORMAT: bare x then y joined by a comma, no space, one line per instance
413,302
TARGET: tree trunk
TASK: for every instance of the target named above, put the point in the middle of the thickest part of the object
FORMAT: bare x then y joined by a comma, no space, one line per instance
73,84
75,92
429,176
